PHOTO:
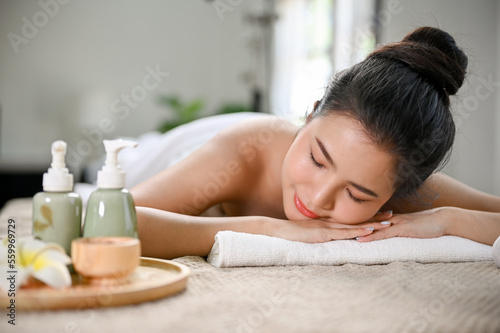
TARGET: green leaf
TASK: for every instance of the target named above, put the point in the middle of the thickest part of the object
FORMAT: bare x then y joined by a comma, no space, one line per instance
172,102
192,110
46,213
39,226
168,125
183,112
233,108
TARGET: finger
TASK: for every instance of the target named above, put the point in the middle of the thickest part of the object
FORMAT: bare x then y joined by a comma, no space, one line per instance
379,234
374,225
382,216
378,225
350,233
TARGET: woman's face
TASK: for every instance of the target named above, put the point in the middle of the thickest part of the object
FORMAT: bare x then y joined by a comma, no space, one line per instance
332,171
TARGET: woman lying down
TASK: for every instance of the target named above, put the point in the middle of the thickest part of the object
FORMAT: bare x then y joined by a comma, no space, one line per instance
362,167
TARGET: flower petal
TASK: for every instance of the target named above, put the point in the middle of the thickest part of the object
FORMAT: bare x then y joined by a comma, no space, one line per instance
56,275
48,256
23,275
45,262
60,257
28,249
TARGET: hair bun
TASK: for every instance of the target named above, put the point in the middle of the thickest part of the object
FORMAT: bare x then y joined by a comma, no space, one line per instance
432,53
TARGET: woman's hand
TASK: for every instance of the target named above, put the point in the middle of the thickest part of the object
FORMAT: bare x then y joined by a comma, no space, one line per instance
425,224
320,231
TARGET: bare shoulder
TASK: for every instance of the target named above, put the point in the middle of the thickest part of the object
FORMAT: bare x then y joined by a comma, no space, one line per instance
441,190
259,133
258,146
225,169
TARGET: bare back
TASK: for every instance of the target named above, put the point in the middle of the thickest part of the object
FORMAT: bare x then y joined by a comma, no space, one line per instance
239,169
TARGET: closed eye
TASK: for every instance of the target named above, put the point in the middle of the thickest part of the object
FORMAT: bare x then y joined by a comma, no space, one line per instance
353,197
316,163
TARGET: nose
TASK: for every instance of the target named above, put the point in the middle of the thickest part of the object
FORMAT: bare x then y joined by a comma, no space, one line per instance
323,194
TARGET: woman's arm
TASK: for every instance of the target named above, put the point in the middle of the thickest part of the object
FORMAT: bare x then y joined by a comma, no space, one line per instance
441,190
469,213
457,210
453,193
482,227
169,235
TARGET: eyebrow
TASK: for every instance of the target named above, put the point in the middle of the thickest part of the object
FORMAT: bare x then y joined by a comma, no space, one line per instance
329,159
364,190
325,153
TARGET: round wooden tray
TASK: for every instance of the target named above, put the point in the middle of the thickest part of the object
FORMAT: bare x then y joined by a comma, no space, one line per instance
153,279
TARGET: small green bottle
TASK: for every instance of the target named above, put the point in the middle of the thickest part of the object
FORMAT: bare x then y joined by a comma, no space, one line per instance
57,211
110,208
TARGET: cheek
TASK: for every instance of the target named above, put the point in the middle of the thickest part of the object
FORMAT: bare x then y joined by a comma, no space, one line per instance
295,174
352,213
297,169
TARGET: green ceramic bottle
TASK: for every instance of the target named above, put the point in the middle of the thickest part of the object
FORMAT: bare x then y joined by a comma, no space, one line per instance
110,208
57,210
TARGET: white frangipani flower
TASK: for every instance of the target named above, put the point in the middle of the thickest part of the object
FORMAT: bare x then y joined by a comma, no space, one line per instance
46,262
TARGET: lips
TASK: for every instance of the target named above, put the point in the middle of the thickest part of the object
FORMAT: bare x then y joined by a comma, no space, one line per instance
303,209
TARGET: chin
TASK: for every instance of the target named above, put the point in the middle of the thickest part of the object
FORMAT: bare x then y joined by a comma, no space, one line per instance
293,215
290,215
351,220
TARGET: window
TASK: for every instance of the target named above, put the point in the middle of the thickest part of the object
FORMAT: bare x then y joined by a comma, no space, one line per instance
312,40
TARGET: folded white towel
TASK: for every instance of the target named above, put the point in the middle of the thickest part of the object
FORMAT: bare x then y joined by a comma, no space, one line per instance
233,249
496,251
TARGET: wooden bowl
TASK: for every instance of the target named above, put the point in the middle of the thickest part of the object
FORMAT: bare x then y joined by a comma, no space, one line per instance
105,257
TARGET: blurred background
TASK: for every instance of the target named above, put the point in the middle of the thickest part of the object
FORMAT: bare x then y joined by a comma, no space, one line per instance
83,71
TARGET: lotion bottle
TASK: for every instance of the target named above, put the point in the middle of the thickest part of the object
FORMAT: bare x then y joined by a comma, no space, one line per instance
57,210
110,208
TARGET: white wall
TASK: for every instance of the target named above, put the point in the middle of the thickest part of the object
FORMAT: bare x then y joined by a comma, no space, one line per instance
84,55
475,24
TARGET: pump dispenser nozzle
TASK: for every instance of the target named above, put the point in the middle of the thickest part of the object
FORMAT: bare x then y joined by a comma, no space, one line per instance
57,211
112,175
58,151
58,178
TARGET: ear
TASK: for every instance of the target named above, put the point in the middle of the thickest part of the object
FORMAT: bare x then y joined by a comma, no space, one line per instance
310,115
315,105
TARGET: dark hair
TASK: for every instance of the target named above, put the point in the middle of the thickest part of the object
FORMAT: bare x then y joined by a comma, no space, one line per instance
400,94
